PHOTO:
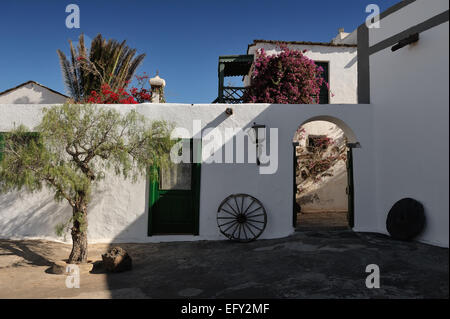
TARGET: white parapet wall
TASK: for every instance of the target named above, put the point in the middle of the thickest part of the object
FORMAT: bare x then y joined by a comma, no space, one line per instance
119,209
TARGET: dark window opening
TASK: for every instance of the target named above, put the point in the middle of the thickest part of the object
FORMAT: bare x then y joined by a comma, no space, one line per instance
316,141
324,94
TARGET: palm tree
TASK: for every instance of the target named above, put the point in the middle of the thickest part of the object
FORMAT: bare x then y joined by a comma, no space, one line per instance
108,62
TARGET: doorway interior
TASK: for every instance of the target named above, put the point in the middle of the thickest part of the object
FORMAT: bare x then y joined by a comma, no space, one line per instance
323,177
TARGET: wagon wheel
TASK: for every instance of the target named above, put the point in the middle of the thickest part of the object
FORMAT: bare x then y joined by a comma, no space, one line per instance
241,217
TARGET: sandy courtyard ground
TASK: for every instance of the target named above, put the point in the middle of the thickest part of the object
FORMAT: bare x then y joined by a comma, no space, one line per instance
308,264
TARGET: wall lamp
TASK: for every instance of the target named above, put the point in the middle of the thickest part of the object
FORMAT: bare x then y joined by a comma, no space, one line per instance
354,145
404,42
258,136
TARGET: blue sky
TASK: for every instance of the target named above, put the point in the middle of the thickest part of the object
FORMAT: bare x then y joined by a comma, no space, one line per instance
181,38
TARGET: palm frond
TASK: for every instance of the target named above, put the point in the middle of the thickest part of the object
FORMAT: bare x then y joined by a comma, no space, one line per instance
68,75
114,62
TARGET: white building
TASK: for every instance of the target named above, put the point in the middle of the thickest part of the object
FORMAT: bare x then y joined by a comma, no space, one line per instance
31,92
402,103
339,61
338,58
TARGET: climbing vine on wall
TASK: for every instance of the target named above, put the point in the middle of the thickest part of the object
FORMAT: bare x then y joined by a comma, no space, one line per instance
288,77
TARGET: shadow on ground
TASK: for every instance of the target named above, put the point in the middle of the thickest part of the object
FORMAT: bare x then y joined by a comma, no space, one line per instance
29,252
309,264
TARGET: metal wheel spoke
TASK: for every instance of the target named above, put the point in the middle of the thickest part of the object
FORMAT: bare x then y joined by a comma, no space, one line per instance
220,217
249,206
237,226
250,230
256,221
254,226
229,227
226,211
231,208
237,206
253,211
227,223
251,216
245,233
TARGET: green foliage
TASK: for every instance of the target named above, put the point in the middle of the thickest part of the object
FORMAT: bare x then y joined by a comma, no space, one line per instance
107,62
73,148
62,228
2,145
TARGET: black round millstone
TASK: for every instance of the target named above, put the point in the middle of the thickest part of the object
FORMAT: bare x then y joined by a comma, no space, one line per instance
406,219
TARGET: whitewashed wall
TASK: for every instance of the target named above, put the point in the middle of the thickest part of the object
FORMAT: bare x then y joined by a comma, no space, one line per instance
119,209
403,134
342,66
409,94
31,93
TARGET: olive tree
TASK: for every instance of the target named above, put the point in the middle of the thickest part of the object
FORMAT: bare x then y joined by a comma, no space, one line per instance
73,148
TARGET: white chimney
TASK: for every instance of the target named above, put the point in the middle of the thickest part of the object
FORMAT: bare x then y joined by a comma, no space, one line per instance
340,36
157,85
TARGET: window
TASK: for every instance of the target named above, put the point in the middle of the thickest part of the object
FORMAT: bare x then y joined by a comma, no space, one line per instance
324,94
177,176
316,141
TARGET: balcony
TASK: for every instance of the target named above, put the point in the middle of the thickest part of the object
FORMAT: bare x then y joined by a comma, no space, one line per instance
232,65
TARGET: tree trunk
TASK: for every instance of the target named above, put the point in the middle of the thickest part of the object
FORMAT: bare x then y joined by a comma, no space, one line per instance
79,236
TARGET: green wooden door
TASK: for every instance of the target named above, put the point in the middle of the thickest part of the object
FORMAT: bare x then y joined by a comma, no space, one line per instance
174,199
350,191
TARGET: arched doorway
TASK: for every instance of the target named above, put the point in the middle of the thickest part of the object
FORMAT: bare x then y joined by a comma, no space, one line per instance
323,174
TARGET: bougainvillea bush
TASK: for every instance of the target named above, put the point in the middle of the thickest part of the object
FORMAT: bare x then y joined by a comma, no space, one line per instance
288,77
140,93
108,95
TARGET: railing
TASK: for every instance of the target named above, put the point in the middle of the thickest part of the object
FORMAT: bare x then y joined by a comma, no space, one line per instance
232,94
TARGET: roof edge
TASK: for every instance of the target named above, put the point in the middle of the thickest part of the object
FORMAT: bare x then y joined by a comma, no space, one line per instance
33,82
328,44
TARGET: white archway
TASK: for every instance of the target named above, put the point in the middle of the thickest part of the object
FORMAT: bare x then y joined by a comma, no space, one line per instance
333,198
348,132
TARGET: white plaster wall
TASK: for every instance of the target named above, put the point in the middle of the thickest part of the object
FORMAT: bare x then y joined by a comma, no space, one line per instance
118,211
327,195
343,76
410,15
409,93
31,94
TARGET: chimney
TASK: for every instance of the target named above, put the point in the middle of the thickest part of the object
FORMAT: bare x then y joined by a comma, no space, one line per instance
157,85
